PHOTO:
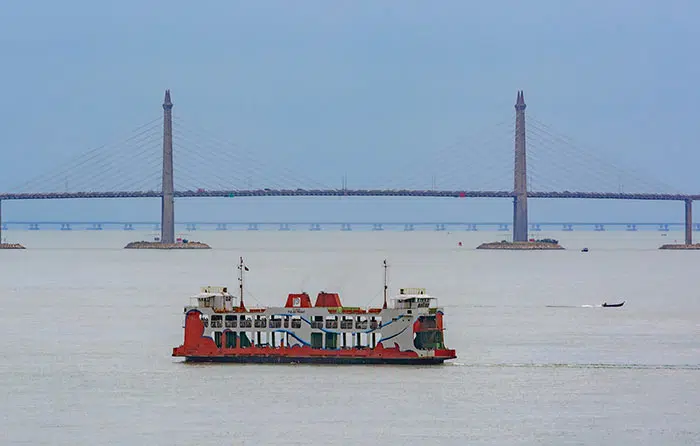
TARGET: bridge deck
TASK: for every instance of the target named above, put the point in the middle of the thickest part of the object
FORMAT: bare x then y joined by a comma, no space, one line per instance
348,193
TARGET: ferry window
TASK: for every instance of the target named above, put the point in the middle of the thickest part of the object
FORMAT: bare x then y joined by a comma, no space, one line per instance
331,323
296,323
286,322
216,321
230,322
275,323
205,320
317,322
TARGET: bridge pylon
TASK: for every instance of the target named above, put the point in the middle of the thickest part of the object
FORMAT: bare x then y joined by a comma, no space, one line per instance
167,232
520,173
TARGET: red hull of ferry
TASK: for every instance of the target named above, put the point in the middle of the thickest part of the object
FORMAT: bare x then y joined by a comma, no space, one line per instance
378,355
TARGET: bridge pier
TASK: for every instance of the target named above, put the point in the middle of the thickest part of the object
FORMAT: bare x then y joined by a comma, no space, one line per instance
345,227
632,227
284,226
408,227
4,245
688,222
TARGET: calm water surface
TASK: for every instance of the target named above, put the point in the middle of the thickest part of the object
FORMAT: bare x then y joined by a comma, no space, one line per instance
89,328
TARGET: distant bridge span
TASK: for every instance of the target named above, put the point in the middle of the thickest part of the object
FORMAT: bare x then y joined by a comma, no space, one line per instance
519,194
348,193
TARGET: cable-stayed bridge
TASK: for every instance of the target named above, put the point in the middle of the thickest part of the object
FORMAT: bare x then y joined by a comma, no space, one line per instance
170,158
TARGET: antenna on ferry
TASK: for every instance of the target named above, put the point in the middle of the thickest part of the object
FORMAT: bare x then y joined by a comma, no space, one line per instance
241,268
385,285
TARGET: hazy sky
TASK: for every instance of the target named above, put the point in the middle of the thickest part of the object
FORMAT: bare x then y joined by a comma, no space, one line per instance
371,89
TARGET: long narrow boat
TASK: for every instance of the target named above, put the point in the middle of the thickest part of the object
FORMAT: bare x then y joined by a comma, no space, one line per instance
607,305
219,328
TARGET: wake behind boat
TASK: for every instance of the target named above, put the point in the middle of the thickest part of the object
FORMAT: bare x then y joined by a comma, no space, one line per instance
603,305
219,328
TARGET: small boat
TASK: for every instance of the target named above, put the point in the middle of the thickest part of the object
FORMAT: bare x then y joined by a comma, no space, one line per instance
605,304
584,250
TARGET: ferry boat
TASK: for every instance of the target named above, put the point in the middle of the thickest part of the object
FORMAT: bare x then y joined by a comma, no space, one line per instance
219,328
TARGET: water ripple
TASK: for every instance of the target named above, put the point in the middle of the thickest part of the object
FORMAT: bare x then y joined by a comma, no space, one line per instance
584,366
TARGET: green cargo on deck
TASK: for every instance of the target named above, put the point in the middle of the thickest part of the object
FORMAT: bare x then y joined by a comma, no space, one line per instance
331,340
316,340
231,339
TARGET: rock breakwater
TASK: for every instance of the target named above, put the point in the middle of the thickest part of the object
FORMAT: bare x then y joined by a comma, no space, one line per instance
520,246
681,246
11,246
159,245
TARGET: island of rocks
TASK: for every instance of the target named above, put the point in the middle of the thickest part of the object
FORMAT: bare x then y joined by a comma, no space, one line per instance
11,246
158,245
544,244
681,246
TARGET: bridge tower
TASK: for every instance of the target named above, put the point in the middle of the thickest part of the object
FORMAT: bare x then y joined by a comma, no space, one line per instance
167,232
520,177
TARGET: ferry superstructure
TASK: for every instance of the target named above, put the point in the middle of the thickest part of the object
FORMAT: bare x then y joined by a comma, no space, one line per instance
219,328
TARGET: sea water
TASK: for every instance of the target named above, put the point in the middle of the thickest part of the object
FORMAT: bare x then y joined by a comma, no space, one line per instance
88,331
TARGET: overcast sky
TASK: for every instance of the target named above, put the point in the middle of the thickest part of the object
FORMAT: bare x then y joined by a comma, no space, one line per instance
374,90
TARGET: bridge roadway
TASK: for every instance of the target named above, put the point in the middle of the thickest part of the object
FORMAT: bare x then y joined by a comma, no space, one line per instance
348,193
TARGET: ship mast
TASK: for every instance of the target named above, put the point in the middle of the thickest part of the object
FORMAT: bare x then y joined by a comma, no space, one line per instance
241,268
385,283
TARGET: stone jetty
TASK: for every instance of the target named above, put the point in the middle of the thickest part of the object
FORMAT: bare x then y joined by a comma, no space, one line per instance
681,246
159,245
520,246
11,246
